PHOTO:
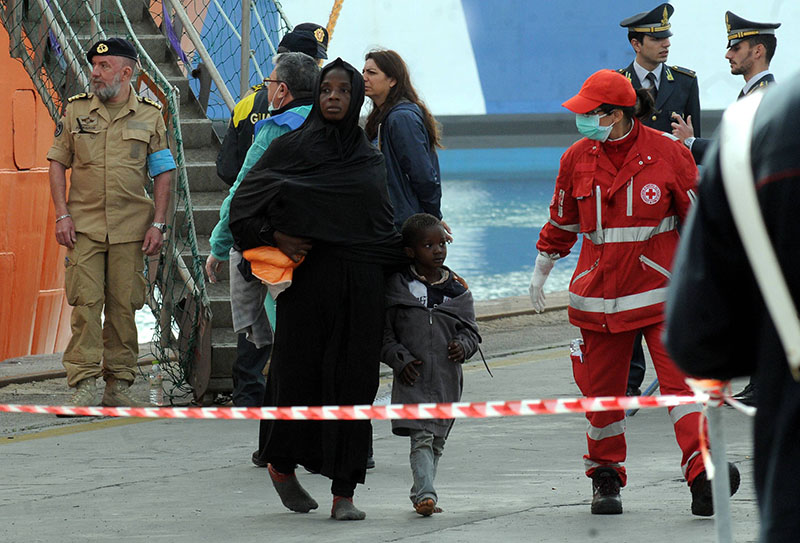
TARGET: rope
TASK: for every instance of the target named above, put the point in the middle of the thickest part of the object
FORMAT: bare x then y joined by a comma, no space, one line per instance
335,10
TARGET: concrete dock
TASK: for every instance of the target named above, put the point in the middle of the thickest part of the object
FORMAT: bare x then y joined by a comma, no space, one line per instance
504,479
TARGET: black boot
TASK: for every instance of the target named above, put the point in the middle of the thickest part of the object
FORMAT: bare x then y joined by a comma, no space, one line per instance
702,497
605,492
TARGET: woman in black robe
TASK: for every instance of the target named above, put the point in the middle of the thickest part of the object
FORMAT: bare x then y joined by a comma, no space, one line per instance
320,193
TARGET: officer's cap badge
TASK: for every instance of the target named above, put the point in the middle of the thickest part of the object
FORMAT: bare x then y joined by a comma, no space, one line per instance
319,34
102,48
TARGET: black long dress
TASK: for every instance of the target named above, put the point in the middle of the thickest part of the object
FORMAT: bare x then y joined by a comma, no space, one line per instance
324,181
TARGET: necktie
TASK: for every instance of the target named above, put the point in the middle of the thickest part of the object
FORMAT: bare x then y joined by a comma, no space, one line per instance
653,89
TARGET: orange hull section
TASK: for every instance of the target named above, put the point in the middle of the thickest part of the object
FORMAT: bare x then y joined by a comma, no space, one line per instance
34,315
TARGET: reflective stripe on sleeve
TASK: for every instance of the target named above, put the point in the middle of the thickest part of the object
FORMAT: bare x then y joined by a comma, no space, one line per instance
567,227
617,305
632,234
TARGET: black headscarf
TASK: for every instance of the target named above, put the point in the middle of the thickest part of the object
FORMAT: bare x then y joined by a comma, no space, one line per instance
323,181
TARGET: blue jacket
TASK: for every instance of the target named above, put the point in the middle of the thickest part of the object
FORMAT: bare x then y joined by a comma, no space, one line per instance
412,167
266,131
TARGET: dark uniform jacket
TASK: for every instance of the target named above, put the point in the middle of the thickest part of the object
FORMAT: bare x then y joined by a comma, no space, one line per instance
677,93
717,323
700,145
248,111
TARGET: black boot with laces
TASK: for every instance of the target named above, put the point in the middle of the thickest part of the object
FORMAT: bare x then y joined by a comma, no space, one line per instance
605,492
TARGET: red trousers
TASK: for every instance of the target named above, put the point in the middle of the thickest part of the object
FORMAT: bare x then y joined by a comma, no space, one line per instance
604,372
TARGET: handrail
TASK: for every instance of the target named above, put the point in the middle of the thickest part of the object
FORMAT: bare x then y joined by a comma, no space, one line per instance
173,97
263,28
196,40
66,47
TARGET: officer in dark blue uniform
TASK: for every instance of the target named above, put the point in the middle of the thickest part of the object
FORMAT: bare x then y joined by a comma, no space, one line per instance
674,88
308,38
675,92
751,46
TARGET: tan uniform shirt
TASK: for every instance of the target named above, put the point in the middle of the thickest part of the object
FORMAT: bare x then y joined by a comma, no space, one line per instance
108,158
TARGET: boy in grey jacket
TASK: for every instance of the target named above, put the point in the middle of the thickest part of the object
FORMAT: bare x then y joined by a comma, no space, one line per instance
430,331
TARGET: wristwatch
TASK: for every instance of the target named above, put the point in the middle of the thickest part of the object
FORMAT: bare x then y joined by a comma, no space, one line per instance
162,227
689,141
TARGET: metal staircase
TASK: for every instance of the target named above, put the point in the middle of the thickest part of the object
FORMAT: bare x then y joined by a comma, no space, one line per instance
50,38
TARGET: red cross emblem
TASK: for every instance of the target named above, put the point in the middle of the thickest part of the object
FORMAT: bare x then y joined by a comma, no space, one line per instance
651,194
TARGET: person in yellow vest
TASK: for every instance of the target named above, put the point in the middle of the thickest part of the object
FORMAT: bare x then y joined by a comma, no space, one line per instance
114,141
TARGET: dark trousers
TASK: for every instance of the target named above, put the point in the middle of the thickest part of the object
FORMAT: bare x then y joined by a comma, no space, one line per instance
249,382
636,372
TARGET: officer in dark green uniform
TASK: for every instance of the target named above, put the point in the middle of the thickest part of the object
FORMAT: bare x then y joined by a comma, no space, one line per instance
308,38
674,88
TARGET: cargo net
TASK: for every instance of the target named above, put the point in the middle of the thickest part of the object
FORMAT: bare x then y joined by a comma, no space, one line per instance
219,24
50,38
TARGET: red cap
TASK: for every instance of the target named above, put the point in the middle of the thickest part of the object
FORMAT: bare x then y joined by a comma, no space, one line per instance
603,87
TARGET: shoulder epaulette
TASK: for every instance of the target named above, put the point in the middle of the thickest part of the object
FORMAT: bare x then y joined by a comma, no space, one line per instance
147,100
684,71
256,88
625,72
79,96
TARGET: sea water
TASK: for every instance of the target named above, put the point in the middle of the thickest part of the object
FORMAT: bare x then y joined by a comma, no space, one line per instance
496,202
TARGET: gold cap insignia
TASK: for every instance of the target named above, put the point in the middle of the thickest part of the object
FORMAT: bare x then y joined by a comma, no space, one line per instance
102,48
319,34
727,23
665,17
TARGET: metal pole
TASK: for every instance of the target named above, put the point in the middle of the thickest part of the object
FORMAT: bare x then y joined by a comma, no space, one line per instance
244,76
720,485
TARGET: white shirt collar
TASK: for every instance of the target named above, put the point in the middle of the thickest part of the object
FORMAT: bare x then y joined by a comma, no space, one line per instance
753,80
641,73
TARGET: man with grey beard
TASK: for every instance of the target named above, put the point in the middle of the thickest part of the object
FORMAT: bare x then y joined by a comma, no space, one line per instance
114,141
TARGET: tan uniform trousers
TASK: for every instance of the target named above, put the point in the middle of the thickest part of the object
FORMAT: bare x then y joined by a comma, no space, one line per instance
98,275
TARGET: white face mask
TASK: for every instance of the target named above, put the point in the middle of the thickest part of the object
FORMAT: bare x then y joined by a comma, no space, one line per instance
272,107
589,126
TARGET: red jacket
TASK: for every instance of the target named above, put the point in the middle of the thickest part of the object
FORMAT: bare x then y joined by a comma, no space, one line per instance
629,218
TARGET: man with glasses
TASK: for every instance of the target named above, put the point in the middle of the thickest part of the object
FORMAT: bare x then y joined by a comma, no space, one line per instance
289,91
308,38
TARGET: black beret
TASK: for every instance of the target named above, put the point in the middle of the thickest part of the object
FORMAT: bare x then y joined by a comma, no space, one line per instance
116,47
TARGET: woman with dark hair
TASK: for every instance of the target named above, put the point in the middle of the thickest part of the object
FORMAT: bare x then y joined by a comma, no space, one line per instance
319,195
625,187
401,126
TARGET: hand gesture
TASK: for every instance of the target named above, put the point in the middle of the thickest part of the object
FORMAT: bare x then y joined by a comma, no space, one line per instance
681,129
408,375
294,248
455,352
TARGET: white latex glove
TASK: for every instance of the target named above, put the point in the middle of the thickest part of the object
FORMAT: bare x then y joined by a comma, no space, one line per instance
540,272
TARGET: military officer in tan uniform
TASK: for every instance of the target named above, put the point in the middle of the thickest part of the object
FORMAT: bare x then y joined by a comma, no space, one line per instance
114,141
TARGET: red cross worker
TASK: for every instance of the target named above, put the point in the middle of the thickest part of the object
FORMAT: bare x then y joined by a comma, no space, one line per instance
625,188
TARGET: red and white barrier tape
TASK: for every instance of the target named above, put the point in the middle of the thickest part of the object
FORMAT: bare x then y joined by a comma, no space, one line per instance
718,393
458,410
